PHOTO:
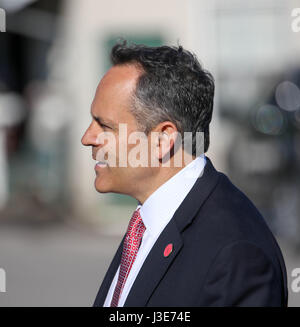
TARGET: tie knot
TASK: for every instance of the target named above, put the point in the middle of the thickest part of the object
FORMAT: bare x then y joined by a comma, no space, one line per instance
135,222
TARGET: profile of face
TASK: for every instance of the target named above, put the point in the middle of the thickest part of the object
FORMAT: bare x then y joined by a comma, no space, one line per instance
120,168
111,107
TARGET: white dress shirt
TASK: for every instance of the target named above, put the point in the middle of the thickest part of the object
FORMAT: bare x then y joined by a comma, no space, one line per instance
156,212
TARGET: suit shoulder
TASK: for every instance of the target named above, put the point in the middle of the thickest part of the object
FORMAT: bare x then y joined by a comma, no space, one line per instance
230,203
229,215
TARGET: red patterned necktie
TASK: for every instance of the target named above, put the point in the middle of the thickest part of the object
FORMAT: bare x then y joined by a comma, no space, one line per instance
131,245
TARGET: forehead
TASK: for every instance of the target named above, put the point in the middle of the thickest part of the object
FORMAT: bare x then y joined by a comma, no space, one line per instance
126,74
116,87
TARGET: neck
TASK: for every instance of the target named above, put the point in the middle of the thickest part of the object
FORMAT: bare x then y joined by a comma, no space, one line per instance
159,177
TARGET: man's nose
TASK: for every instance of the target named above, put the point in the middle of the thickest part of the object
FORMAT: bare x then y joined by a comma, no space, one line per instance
89,137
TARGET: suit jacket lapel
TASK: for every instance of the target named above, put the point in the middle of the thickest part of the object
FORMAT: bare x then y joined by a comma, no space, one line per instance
156,265
110,274
193,202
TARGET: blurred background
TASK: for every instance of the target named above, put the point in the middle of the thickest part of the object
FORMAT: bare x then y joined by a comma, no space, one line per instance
57,234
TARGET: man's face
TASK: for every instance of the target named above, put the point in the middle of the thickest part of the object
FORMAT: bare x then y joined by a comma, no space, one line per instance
110,107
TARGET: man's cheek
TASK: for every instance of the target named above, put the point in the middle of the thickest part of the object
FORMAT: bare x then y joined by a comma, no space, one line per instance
122,153
108,151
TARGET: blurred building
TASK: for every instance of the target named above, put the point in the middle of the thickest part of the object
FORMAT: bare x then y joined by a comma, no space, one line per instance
249,47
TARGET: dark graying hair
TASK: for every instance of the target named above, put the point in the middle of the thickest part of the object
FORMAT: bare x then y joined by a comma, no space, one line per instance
172,87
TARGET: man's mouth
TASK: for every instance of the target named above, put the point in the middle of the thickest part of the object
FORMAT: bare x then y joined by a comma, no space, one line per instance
101,164
100,160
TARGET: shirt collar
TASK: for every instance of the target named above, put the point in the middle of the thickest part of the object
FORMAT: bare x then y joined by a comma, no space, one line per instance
161,205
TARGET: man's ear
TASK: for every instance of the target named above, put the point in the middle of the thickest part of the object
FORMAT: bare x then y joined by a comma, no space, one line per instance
168,136
164,137
166,143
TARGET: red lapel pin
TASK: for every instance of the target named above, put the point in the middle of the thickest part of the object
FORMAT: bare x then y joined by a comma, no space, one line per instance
168,250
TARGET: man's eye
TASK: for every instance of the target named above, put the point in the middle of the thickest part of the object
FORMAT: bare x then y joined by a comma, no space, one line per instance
103,125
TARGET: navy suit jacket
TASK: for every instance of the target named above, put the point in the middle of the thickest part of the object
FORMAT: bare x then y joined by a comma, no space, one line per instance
223,254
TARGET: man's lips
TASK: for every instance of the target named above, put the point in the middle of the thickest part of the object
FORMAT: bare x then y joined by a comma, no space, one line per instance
100,165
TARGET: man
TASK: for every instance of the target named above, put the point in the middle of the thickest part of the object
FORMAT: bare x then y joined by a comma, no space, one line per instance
194,239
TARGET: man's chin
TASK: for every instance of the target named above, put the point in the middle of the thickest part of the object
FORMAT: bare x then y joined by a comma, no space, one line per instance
102,191
101,188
